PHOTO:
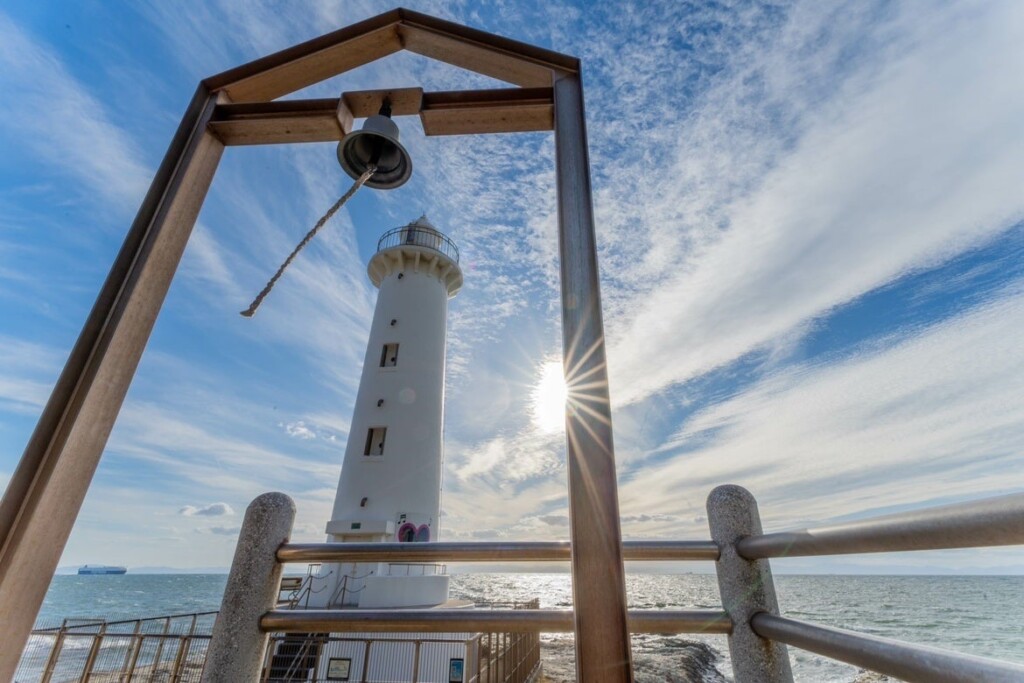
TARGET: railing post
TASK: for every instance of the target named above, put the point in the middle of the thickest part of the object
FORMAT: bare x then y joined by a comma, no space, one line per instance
97,642
51,661
746,587
160,645
366,663
237,646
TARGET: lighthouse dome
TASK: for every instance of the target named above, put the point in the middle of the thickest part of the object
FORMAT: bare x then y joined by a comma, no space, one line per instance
422,233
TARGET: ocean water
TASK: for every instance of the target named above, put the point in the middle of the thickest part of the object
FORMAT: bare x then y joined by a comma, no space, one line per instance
980,615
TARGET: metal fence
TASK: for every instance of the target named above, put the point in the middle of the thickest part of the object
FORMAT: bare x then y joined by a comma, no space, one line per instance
171,648
757,633
502,645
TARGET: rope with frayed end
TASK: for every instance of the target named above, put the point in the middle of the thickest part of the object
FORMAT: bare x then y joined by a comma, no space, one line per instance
370,170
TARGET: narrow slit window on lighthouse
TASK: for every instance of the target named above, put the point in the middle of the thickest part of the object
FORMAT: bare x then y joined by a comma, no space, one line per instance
375,441
389,356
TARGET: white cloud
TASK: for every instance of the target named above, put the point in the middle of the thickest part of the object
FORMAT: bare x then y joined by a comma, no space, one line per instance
915,159
211,510
745,185
299,430
59,120
27,373
925,419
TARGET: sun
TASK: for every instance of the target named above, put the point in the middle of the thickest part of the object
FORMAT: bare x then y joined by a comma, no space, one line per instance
549,396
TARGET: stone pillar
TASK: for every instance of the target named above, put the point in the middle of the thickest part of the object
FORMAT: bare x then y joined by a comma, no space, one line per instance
238,646
746,587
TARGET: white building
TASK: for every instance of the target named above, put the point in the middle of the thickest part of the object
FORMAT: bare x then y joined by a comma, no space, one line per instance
390,484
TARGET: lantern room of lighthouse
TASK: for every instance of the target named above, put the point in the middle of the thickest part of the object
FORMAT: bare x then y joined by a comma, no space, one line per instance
390,484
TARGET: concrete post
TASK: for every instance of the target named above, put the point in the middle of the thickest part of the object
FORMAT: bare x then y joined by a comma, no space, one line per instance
746,587
238,646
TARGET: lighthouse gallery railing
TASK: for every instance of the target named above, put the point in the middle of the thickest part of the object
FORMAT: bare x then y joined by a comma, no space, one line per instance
410,235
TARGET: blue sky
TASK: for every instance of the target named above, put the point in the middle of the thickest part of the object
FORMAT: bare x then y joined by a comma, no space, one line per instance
810,223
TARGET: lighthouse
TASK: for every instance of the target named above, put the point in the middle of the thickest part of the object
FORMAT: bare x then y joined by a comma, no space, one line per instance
390,484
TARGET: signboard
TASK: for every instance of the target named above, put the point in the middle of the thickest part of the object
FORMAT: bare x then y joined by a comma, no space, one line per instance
455,670
338,669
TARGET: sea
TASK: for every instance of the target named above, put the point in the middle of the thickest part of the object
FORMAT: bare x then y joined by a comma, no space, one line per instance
979,615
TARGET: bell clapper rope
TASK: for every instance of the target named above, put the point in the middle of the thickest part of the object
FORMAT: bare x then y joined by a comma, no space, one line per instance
370,170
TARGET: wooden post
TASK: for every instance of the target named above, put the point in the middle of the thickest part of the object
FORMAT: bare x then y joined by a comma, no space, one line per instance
46,491
598,577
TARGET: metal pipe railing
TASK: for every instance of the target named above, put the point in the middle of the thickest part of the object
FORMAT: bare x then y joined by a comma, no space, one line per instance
467,620
413,236
905,661
97,623
986,522
757,634
517,551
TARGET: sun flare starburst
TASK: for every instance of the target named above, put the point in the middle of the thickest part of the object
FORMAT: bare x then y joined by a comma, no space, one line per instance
549,395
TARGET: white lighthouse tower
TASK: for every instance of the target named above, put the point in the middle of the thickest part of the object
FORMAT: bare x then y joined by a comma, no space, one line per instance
390,484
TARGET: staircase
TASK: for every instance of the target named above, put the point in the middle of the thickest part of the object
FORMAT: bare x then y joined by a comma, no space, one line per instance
295,658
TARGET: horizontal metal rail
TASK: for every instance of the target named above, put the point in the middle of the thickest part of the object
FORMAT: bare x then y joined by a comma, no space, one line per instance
474,621
96,622
905,661
986,522
485,552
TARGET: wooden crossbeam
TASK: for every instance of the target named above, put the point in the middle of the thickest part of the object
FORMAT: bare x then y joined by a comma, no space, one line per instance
479,57
511,110
269,123
514,110
335,53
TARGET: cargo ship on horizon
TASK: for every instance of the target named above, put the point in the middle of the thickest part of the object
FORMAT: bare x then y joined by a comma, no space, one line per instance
100,570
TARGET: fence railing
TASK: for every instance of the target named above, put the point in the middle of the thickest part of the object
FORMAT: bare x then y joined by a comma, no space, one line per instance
505,645
170,648
416,568
757,633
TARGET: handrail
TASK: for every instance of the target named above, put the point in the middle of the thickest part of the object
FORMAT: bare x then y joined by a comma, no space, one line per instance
515,551
416,236
977,523
757,634
905,661
88,624
471,620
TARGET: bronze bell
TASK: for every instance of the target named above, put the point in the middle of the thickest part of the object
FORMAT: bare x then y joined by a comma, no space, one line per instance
376,143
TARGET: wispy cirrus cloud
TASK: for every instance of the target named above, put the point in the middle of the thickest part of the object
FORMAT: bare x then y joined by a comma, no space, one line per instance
891,174
923,418
757,166
60,120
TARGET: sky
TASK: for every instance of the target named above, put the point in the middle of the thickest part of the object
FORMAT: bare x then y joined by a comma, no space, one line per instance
810,223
